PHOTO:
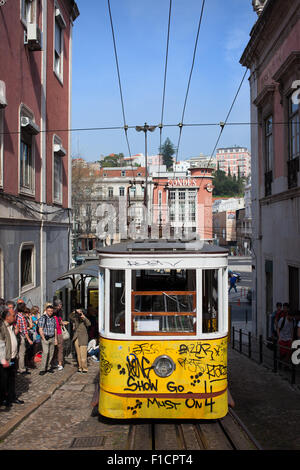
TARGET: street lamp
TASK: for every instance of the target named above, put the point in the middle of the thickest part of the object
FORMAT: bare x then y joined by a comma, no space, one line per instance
145,129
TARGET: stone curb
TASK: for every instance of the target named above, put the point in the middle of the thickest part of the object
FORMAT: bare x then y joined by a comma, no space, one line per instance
14,422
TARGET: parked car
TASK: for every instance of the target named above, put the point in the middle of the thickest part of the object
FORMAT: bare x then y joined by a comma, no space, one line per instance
234,273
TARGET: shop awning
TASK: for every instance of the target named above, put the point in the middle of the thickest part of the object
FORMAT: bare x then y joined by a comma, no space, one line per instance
87,269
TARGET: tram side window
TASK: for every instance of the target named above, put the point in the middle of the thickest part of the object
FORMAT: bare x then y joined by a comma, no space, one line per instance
164,301
210,300
117,301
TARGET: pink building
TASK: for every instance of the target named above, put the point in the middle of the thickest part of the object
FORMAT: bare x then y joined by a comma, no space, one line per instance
184,202
234,160
273,58
35,165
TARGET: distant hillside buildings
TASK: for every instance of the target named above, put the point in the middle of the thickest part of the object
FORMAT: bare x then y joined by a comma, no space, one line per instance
234,161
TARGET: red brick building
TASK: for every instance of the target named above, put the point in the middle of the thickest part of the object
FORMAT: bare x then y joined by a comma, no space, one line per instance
35,167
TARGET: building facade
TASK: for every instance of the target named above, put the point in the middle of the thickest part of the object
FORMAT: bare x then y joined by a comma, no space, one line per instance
105,201
234,161
35,169
182,202
174,205
273,58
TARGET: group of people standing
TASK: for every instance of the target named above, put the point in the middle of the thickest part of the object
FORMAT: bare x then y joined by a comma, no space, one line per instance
285,327
28,337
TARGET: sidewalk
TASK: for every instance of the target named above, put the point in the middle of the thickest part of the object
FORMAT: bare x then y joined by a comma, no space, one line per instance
34,390
266,403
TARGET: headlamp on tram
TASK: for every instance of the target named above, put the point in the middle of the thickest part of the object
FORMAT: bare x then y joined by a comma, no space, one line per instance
163,366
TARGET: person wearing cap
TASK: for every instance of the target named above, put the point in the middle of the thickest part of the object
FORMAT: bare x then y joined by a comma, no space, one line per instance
48,333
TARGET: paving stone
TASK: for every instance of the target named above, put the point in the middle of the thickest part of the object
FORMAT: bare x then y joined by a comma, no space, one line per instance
268,406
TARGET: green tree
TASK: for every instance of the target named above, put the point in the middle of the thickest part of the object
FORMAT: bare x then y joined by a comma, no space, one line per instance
227,186
167,151
112,160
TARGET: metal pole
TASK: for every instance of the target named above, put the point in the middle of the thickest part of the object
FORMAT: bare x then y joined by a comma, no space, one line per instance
146,166
260,349
275,357
249,344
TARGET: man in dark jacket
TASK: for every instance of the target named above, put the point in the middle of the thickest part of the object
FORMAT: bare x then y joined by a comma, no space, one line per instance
8,357
80,337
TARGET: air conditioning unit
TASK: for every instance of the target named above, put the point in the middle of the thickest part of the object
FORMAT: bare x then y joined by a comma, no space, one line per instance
29,125
34,37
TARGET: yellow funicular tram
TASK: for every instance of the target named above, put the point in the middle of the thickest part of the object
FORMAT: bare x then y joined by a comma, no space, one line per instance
163,310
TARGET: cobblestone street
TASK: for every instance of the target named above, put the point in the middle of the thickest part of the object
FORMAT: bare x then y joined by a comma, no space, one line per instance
57,410
62,413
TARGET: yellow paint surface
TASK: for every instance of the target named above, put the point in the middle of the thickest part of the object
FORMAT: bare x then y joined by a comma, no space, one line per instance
130,388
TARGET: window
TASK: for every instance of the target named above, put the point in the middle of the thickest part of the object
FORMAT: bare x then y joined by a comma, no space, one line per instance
167,305
1,145
117,301
58,154
133,191
123,173
27,150
210,300
294,130
27,267
26,162
110,192
122,191
59,25
182,205
27,11
57,178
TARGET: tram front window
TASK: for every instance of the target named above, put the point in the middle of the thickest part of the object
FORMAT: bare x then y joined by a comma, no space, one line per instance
164,301
117,301
210,300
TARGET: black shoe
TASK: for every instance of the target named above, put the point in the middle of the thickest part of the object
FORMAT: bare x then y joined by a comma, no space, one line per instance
42,372
7,404
26,372
18,402
51,371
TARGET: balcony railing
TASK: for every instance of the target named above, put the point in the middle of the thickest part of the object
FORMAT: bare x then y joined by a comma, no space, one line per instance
293,170
268,183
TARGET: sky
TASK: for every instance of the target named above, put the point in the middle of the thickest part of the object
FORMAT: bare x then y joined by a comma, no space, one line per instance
140,29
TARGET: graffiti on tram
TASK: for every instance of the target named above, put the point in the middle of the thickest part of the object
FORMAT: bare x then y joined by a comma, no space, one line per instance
199,378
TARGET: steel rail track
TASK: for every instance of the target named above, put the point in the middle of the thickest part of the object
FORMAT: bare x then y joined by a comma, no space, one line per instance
228,433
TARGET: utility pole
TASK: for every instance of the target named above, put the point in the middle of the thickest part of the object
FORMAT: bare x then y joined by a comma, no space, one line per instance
145,129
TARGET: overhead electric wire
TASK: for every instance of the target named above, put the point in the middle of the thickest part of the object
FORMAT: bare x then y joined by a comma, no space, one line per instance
189,83
120,86
223,124
203,124
164,86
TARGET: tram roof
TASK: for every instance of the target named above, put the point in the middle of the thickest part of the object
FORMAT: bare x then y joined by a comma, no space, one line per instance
163,246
